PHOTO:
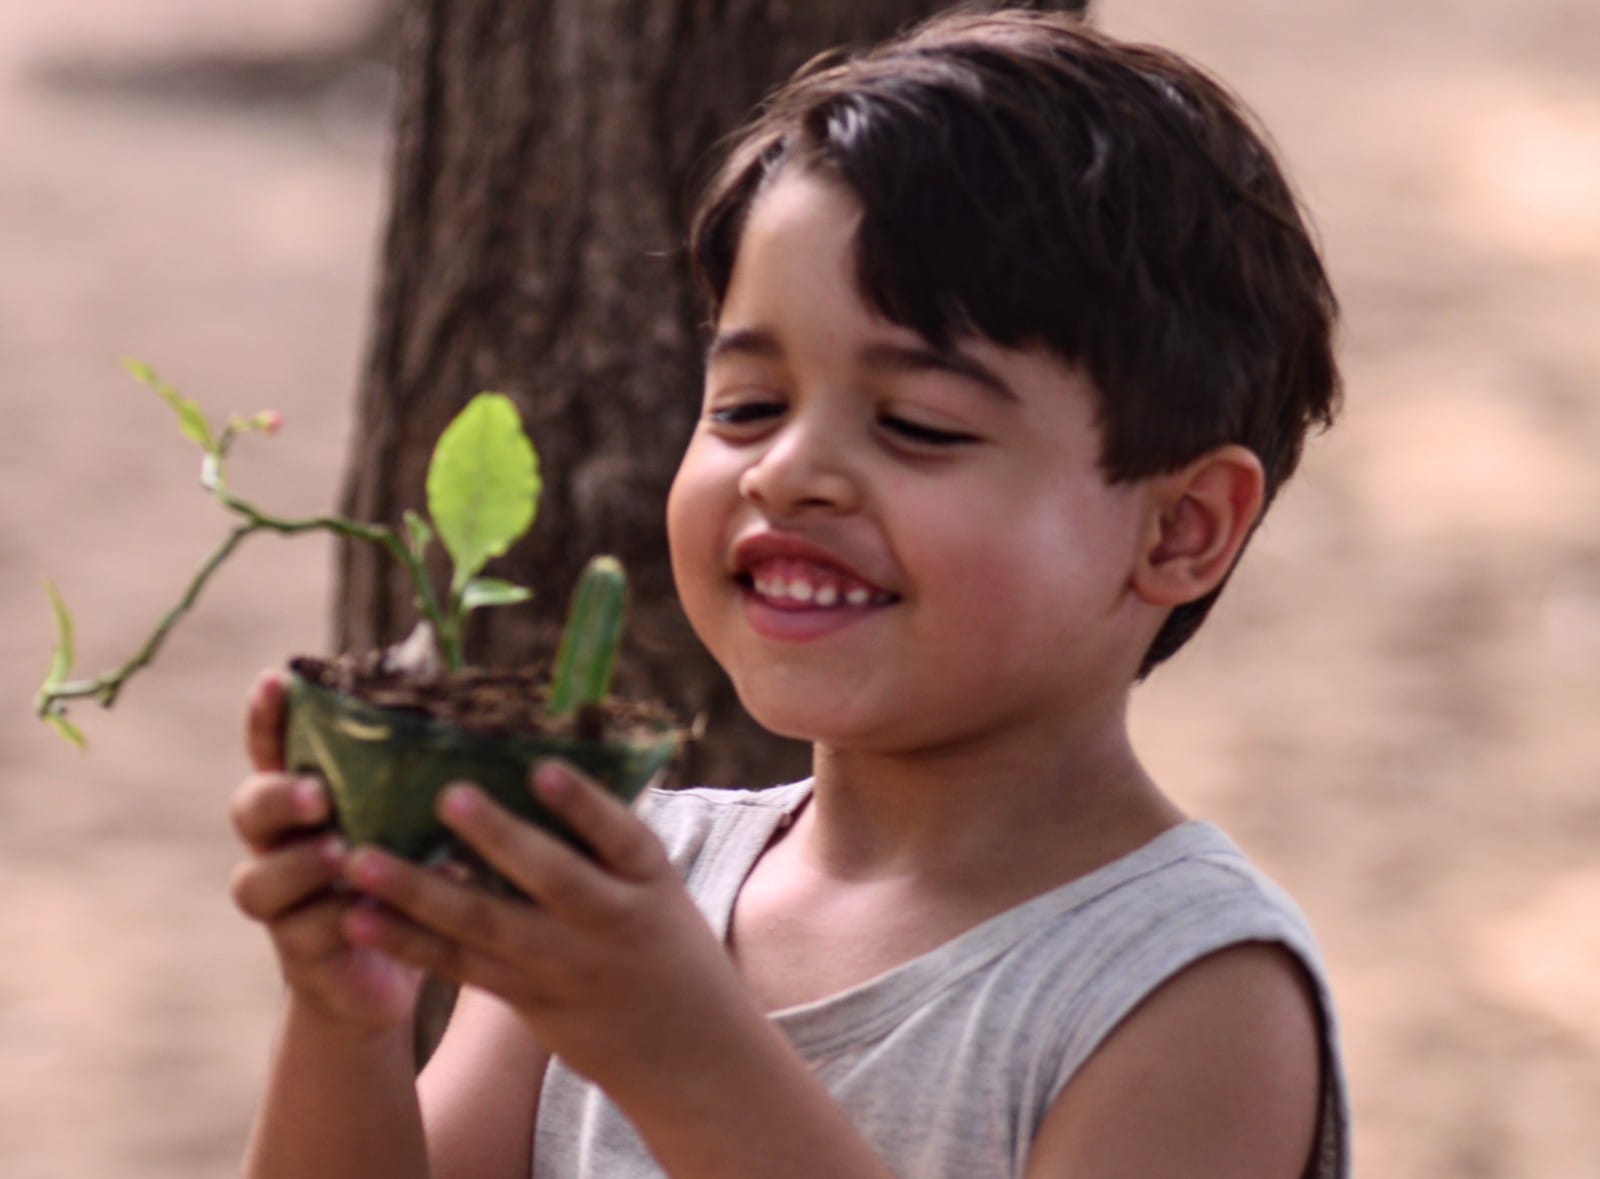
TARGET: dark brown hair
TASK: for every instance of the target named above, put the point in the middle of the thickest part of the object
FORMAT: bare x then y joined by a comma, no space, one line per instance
1030,180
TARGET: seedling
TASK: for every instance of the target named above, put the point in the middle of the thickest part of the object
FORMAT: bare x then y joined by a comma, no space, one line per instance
482,495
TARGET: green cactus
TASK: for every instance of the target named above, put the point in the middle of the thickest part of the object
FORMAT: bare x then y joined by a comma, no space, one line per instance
588,651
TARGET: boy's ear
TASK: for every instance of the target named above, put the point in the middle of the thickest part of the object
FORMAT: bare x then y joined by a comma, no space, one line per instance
1200,516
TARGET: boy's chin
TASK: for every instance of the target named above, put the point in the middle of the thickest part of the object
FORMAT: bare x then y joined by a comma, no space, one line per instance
784,718
834,732
784,722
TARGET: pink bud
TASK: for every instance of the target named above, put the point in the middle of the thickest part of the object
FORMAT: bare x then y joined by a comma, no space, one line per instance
270,421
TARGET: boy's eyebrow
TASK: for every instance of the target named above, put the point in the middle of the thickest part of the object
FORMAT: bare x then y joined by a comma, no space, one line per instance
921,358
763,345
756,342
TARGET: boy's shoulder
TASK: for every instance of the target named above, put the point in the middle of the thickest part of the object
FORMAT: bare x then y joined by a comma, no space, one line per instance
710,804
691,820
1202,903
1184,895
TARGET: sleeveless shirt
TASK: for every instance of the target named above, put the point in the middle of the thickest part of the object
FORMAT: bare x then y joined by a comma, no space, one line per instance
948,1063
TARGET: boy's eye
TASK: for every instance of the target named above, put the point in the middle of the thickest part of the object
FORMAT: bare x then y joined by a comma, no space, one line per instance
922,435
744,413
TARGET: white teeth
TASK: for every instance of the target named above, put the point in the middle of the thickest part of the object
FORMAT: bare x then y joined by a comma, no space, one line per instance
823,593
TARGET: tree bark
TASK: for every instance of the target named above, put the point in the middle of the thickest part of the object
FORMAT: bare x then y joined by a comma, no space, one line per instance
545,159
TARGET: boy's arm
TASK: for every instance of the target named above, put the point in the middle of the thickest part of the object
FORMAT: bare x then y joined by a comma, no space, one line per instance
480,1092
1218,1073
337,1093
748,1106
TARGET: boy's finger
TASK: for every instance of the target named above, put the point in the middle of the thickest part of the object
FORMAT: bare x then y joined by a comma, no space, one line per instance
549,871
462,913
268,887
394,936
264,717
313,931
616,835
269,808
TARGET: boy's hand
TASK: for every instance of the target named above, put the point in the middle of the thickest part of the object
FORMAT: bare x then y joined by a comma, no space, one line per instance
292,883
612,965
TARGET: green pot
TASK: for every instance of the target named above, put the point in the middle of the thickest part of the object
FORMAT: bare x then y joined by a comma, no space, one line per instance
385,767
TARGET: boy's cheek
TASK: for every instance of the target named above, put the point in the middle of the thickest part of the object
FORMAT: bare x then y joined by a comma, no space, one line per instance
691,514
698,520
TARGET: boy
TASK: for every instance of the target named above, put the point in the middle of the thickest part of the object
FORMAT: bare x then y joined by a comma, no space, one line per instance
1017,329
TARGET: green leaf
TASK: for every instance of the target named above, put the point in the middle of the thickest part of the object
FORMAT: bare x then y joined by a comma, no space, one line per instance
491,591
53,712
191,418
67,729
483,484
65,654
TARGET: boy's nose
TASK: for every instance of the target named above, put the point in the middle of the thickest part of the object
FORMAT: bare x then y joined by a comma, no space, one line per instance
800,471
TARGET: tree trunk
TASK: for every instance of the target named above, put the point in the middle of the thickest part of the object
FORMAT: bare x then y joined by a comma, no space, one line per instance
544,164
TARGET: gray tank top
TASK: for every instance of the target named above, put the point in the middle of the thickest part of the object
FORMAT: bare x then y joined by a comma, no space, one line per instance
948,1062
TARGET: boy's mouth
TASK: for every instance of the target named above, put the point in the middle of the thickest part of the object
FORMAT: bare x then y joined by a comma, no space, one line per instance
795,583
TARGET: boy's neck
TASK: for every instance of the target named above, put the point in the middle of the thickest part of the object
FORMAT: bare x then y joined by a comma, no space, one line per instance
967,813
896,855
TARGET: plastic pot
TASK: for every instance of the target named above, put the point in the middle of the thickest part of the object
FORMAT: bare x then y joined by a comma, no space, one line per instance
385,768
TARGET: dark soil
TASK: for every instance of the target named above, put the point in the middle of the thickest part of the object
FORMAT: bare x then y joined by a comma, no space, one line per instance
495,702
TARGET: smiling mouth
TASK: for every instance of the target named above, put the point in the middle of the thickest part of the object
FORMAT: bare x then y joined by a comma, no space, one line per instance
794,584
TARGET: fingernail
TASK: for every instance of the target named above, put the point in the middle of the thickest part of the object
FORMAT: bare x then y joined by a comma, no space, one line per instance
333,849
365,869
308,798
458,802
553,779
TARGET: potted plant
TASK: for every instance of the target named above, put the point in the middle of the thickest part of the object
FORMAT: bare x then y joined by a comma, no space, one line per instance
389,729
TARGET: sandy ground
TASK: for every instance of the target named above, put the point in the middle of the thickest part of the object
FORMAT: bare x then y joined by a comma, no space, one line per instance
1394,708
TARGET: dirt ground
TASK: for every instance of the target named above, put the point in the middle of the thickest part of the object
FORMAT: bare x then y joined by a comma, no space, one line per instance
1394,708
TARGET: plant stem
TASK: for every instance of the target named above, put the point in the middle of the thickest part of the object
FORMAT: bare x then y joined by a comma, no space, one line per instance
105,688
387,538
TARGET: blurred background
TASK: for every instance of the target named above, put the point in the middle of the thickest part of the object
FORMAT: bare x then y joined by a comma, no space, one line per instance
1394,708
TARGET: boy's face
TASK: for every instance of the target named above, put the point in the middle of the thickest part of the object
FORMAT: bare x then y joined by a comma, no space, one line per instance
889,548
